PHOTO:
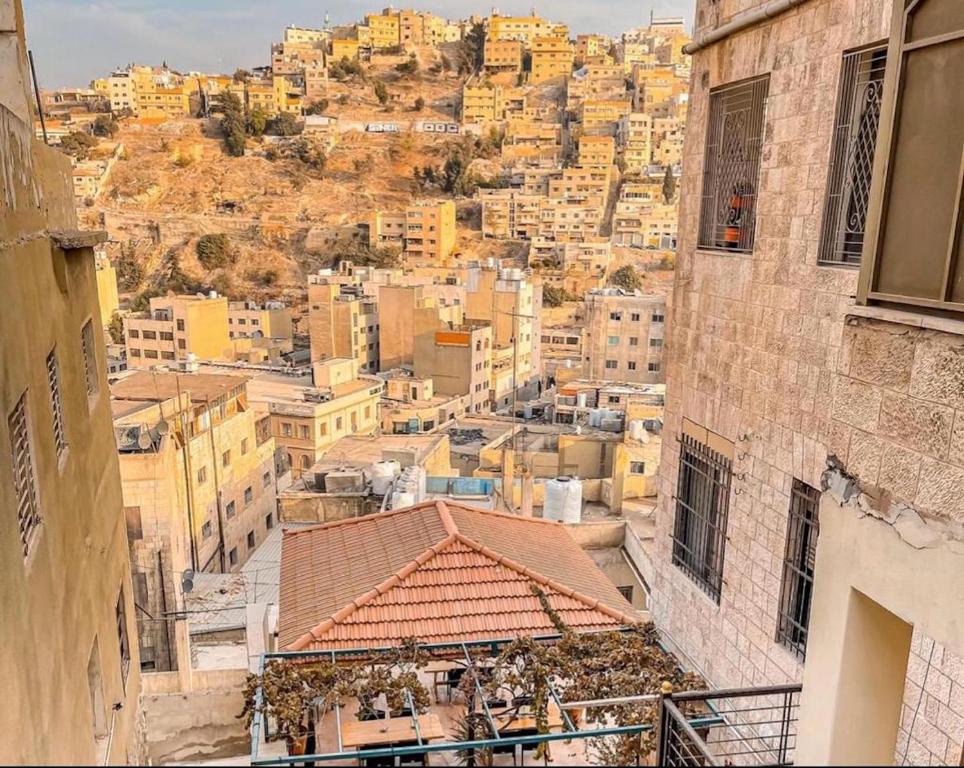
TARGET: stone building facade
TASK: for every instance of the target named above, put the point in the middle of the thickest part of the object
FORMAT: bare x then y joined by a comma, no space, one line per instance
785,393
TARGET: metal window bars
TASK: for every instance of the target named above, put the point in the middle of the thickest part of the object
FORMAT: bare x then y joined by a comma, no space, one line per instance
731,166
742,726
702,504
796,592
24,477
852,155
90,359
56,403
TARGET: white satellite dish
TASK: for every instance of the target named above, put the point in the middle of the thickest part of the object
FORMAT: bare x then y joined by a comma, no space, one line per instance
162,428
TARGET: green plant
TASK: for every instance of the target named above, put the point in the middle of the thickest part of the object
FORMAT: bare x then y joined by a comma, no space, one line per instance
106,126
381,92
626,277
214,251
408,67
284,124
78,144
317,107
419,104
232,123
669,186
257,121
116,328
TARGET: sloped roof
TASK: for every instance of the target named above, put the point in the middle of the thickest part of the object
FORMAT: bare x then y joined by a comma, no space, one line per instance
438,572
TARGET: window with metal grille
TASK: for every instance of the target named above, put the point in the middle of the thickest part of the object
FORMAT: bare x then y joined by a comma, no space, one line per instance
56,403
797,590
24,477
852,156
702,502
626,592
90,359
122,638
732,165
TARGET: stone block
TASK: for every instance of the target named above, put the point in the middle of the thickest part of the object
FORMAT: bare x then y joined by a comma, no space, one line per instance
941,489
919,425
955,453
856,403
899,471
865,452
881,354
938,373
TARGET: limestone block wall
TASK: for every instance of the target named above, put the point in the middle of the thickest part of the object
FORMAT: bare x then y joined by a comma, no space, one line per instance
762,350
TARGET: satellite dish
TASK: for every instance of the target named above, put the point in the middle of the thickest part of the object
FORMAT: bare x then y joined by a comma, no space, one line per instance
144,440
187,581
162,428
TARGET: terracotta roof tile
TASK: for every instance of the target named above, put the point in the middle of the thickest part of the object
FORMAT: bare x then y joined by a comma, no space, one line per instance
437,572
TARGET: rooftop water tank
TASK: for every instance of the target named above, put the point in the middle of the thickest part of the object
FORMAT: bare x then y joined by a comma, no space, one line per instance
383,474
563,500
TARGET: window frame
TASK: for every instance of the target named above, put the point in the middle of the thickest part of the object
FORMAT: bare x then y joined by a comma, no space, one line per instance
842,154
803,533
24,474
55,389
710,194
887,140
705,477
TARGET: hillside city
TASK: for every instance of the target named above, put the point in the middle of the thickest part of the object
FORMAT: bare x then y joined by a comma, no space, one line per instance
474,391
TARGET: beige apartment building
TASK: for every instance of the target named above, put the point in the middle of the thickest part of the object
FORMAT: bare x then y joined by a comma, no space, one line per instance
106,277
502,55
551,58
176,326
809,522
482,101
595,81
590,47
634,136
641,219
342,321
596,151
383,29
624,336
424,231
410,406
413,312
250,320
68,657
198,475
306,418
522,28
532,140
458,360
600,117
430,230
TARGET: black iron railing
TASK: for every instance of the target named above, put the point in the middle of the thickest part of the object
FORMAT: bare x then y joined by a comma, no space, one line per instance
744,726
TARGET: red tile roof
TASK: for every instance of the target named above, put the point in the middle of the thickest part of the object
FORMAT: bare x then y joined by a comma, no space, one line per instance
438,572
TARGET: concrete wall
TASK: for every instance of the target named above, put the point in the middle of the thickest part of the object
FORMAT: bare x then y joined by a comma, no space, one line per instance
302,507
200,723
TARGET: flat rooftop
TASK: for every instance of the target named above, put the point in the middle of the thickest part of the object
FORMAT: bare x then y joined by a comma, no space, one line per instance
157,386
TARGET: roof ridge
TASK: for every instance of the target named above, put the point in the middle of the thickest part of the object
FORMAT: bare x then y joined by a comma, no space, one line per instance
316,632
512,515
447,521
556,586
359,519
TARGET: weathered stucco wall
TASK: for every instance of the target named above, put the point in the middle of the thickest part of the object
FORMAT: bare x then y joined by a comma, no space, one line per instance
57,604
198,724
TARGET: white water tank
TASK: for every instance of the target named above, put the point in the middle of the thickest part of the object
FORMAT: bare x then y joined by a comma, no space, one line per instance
581,398
637,431
383,474
563,500
401,500
595,417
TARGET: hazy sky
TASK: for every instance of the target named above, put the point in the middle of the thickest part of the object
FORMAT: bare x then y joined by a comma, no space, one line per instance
76,40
